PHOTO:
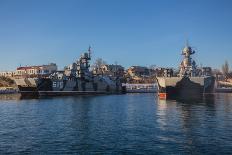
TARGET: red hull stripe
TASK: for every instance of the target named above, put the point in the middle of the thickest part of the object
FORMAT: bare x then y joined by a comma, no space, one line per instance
162,95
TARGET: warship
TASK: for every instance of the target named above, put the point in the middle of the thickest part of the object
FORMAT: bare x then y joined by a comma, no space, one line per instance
189,82
77,79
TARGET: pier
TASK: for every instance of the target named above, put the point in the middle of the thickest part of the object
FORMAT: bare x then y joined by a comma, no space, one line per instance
141,88
7,90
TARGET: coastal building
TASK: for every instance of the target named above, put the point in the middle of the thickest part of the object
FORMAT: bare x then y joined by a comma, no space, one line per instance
138,71
112,70
70,70
140,74
36,70
8,73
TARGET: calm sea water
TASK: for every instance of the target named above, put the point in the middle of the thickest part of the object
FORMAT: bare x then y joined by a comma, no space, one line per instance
115,124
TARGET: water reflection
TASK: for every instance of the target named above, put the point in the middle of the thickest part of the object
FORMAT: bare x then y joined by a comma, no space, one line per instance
116,124
197,121
187,109
10,96
17,97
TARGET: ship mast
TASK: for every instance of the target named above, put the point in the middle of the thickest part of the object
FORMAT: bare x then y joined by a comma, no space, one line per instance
89,51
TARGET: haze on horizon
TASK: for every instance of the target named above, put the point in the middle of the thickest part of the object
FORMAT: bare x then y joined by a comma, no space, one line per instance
131,32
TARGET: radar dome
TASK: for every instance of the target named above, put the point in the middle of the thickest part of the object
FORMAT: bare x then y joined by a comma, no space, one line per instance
187,49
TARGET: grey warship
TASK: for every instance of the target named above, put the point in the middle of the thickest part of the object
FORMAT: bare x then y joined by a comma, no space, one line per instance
77,79
191,81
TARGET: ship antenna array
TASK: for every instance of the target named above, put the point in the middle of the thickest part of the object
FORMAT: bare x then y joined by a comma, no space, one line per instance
89,50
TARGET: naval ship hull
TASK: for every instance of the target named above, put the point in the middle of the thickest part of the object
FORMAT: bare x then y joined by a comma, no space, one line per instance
185,87
32,86
50,87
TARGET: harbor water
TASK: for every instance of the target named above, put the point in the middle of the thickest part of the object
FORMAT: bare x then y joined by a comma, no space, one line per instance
115,124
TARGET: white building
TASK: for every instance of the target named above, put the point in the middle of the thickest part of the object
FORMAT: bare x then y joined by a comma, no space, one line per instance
8,73
36,70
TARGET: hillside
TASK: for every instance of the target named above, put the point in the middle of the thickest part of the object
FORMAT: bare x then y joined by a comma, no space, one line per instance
6,82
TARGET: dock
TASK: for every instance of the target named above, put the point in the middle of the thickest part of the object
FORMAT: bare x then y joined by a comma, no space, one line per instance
141,88
8,90
63,93
223,90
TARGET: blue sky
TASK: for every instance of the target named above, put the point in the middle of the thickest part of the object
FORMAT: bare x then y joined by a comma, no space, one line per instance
131,32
